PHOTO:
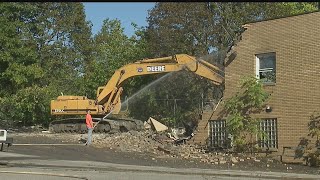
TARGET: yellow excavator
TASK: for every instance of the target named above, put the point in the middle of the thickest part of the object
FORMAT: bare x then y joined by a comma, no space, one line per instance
108,104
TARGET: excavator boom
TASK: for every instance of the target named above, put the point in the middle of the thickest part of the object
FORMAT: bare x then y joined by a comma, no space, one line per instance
156,66
108,96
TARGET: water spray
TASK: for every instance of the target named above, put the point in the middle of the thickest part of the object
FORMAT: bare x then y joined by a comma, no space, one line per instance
135,95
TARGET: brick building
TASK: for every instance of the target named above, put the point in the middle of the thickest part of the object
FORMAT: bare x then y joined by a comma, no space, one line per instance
287,50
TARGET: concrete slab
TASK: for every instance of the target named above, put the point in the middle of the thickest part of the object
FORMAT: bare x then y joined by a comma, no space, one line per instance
157,125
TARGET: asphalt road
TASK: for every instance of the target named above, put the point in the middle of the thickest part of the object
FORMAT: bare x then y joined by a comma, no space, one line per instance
52,159
17,166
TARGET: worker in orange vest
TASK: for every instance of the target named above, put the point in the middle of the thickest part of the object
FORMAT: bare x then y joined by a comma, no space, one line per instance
90,127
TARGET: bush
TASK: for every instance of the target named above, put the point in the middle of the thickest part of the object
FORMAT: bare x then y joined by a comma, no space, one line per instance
313,154
313,159
238,109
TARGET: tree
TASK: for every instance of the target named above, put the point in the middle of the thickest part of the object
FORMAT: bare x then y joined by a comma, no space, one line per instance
18,57
42,54
113,49
239,109
230,16
202,28
64,41
180,28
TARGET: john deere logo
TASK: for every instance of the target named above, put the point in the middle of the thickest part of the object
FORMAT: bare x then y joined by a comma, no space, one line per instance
140,69
155,68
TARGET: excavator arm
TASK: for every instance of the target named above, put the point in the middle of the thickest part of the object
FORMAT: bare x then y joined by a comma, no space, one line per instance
109,97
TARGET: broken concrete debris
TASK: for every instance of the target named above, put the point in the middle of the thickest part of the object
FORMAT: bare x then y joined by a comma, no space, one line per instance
155,142
161,140
176,134
234,160
159,144
156,125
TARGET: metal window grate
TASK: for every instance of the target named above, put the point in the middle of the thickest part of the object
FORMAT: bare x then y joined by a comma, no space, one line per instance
269,127
217,133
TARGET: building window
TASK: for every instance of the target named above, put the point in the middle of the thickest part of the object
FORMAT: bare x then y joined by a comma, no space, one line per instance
217,133
266,67
270,138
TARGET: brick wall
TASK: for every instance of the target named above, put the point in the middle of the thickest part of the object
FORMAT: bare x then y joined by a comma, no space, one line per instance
296,94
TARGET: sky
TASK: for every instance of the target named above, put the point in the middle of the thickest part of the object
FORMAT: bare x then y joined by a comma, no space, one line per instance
136,12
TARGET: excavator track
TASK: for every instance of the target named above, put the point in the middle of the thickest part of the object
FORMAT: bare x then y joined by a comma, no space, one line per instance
109,125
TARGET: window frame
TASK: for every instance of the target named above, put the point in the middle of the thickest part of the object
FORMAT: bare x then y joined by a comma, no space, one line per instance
258,70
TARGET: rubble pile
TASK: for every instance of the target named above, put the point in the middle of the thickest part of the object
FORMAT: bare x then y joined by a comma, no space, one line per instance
156,140
137,141
156,144
159,140
132,141
160,144
214,157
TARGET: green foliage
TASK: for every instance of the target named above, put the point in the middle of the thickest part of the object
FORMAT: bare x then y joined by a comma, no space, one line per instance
28,106
240,107
170,122
313,158
314,126
200,28
45,47
17,53
230,16
312,153
113,50
281,9
180,28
